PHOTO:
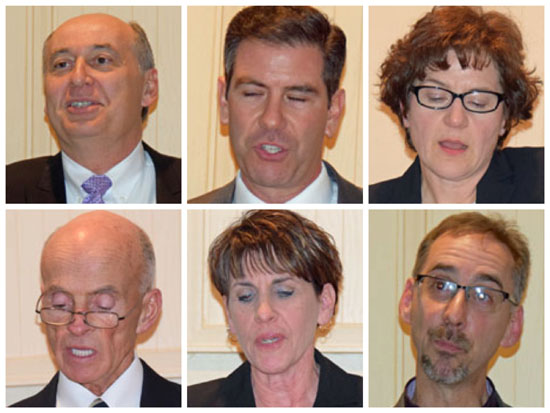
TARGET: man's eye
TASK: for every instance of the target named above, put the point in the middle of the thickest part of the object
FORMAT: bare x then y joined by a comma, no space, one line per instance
102,60
296,99
60,65
251,94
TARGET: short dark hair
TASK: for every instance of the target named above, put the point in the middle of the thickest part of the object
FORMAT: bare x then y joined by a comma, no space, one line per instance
288,25
478,38
275,241
504,231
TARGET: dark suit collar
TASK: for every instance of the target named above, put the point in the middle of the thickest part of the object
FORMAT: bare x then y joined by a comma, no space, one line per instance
51,185
168,177
497,185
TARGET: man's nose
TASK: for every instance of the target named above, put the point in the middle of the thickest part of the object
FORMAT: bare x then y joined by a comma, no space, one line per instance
455,311
272,116
79,74
78,326
264,310
456,115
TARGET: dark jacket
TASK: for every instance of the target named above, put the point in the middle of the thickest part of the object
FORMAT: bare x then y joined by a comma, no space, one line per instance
41,180
336,388
494,399
514,176
155,392
348,193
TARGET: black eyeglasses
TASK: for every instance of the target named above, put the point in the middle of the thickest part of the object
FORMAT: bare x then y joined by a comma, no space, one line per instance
438,98
485,299
61,317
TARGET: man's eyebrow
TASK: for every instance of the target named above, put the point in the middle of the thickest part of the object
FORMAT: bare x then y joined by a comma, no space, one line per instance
281,280
303,89
245,81
489,278
65,50
108,289
451,269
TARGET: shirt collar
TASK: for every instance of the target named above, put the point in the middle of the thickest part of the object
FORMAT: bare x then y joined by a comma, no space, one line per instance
322,190
124,392
125,175
410,388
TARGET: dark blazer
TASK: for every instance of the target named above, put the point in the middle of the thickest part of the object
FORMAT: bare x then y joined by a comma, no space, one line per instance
514,176
41,180
155,392
336,388
348,193
494,399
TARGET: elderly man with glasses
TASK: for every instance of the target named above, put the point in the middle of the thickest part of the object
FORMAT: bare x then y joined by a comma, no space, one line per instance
97,277
462,303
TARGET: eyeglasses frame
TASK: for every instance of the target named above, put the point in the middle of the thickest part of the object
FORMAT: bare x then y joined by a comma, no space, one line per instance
415,89
82,313
507,296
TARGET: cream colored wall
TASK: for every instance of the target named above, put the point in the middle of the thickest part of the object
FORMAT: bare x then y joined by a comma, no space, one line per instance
206,326
393,240
210,164
27,133
388,155
27,358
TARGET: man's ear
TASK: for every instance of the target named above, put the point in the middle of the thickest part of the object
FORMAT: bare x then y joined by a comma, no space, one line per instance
335,111
222,101
405,303
328,301
514,328
151,307
150,89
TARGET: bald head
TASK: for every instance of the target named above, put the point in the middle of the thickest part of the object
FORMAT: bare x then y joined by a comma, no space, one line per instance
100,239
115,26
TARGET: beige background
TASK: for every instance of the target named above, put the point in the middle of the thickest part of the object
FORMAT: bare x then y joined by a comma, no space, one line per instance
206,326
210,164
28,363
394,237
388,154
27,133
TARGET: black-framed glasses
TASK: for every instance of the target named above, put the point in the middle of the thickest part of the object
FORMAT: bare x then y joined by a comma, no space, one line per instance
483,298
438,98
55,316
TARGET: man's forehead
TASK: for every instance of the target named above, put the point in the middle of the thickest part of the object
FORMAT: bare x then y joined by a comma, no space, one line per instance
90,30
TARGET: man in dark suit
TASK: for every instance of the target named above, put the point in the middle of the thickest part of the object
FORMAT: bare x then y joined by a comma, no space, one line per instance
97,276
99,82
280,97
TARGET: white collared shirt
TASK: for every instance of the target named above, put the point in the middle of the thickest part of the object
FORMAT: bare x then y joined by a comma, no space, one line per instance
322,190
133,179
124,392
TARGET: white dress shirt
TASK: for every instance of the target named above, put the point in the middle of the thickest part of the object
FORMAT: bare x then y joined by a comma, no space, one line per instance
133,179
124,392
322,190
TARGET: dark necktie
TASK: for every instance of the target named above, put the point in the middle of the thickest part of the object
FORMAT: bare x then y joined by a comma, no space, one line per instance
99,403
96,186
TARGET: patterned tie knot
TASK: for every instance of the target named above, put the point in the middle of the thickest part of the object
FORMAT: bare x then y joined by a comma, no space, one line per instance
96,186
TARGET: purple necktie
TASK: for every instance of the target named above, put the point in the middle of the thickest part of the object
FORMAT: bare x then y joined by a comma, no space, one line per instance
96,186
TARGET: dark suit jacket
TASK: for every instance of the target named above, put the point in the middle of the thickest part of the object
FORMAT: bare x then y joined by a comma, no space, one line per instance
41,180
514,176
155,392
348,193
494,399
336,388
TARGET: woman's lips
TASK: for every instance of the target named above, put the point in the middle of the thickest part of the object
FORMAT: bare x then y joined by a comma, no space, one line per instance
453,147
269,341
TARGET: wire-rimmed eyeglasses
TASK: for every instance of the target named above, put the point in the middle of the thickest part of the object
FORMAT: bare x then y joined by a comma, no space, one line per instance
438,98
55,316
483,298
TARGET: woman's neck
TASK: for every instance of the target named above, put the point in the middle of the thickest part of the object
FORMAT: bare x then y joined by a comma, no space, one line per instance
295,387
435,190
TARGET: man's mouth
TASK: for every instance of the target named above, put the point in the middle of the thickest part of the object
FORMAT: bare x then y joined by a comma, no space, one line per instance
270,340
80,104
272,149
81,353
